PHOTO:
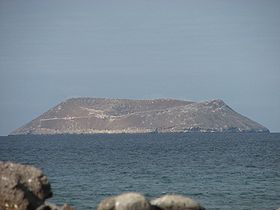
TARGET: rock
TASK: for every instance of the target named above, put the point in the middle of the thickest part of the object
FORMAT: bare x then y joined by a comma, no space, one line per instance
50,206
22,187
176,202
155,208
46,207
67,207
107,204
132,201
135,201
126,201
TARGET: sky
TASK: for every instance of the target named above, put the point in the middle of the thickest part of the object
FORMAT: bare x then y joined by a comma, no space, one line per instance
183,49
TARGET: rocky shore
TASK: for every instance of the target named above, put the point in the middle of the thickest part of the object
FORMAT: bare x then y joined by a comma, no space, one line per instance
25,187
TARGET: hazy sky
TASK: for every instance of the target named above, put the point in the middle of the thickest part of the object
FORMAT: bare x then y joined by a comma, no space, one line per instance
193,50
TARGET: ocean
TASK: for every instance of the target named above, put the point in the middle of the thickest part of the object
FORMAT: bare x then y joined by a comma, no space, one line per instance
220,170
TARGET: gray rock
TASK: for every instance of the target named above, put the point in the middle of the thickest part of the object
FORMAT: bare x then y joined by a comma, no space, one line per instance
132,201
22,187
107,204
176,202
126,201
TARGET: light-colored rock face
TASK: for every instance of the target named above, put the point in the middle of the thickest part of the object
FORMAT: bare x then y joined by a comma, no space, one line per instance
131,201
89,115
126,201
176,202
135,201
107,204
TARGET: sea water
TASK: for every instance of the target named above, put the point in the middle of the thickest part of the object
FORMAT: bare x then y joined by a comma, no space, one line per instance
220,170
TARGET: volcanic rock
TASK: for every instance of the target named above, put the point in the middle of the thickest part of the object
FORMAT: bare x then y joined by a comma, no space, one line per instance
22,187
96,115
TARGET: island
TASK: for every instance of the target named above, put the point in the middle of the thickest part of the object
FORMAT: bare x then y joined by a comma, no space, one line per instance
101,115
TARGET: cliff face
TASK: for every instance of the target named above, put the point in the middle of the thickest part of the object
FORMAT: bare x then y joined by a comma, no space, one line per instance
91,115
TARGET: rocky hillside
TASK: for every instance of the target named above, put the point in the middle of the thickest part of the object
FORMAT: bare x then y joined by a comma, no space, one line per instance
96,115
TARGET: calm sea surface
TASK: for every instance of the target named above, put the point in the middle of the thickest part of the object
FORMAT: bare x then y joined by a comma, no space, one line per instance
222,171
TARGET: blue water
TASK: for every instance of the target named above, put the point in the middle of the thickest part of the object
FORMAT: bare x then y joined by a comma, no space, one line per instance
221,171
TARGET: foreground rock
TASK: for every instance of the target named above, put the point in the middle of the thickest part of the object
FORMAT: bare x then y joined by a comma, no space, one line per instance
176,202
97,115
24,187
135,201
126,201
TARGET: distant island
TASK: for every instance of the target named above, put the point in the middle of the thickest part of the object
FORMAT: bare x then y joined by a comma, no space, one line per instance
99,115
